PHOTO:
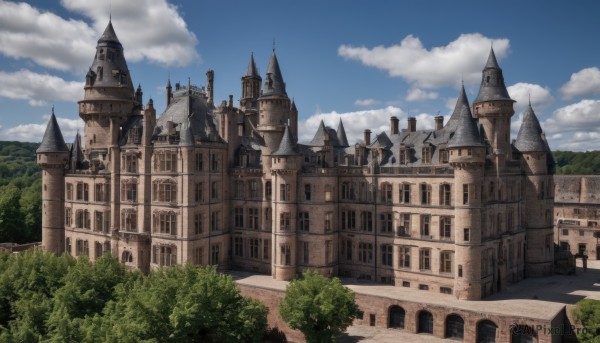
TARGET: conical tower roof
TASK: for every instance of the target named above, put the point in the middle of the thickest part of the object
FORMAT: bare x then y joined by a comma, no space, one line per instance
252,71
320,136
492,82
274,84
341,135
467,133
287,147
529,138
53,140
109,35
76,152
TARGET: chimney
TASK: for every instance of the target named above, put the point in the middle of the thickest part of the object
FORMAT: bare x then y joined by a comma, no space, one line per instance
412,124
367,137
439,122
230,101
394,125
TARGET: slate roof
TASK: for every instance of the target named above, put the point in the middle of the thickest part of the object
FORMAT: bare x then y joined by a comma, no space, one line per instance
109,35
251,71
53,140
529,138
287,147
76,154
274,85
467,132
492,82
110,61
186,134
341,135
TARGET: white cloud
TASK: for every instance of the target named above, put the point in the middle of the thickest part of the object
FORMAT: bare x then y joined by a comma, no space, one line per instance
583,82
541,98
366,102
355,123
38,89
417,94
436,67
34,132
575,127
151,30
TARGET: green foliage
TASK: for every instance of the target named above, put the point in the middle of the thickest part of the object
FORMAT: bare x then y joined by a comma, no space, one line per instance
577,163
587,315
44,297
321,308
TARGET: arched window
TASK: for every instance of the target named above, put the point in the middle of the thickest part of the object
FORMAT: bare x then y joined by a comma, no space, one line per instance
455,326
127,257
522,334
486,332
396,317
425,324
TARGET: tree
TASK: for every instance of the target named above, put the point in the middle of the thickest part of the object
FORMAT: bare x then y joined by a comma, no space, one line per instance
319,307
587,315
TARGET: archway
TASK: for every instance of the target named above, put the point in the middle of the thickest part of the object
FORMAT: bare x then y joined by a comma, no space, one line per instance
455,326
425,322
396,317
486,331
522,334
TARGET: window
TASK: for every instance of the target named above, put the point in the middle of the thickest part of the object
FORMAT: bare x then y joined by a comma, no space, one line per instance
130,163
284,221
268,190
253,218
215,221
238,216
426,157
423,287
238,189
164,255
445,194
565,232
69,191
347,249
425,194
404,228
128,221
425,221
386,254
286,256
126,257
215,163
386,193
214,190
443,156
129,192
386,221
328,193
215,251
425,259
199,161
238,247
404,257
266,250
328,221
165,222
366,218
199,196
405,284
445,228
465,194
305,252
403,156
198,223
82,219
466,235
285,191
68,245
68,217
446,262
307,192
99,194
328,252
405,193
445,290
303,221
348,219
98,250
348,191
199,256
365,252
253,189
492,192
165,191
460,270
165,161
82,248
82,192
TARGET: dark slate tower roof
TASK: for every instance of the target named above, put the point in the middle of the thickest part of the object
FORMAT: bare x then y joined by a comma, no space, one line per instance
274,84
252,71
461,103
320,136
529,138
76,153
341,135
287,147
109,35
53,139
492,82
186,134
467,133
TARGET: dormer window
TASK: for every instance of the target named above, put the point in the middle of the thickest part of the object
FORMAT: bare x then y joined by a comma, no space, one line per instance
403,158
426,155
443,156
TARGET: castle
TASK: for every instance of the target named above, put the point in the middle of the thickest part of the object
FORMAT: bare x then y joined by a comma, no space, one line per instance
459,209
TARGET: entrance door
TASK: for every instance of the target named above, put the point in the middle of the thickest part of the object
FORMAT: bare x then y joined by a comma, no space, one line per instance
425,322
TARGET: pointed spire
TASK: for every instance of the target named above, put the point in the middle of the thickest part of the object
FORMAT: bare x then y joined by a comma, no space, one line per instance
492,82
461,103
320,136
53,140
252,71
467,133
109,35
274,84
341,135
287,147
530,136
76,152
293,107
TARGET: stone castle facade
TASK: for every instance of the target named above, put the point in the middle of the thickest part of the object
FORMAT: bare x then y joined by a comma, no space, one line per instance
459,209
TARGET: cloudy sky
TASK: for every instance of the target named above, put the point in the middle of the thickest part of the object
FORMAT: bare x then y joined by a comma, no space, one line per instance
356,60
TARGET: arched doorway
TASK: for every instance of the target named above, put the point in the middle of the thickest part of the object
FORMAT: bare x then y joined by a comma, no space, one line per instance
522,334
425,322
486,332
455,326
396,317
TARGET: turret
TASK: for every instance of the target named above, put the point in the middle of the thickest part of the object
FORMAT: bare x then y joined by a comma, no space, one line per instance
341,135
52,156
210,83
467,157
494,108
169,91
538,193
76,154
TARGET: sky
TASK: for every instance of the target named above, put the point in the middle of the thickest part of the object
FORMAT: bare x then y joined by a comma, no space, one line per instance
361,61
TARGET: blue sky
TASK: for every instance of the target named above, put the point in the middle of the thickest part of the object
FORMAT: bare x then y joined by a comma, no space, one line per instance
358,60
